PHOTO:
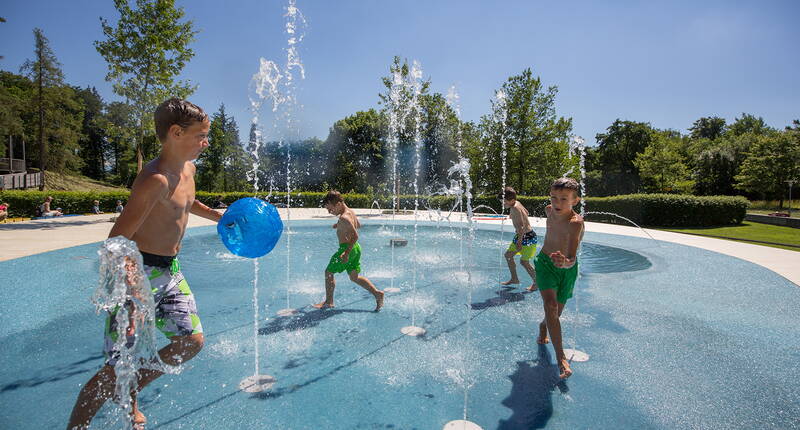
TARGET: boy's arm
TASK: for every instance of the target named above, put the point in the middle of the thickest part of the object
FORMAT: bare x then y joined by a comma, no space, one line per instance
144,196
575,229
199,209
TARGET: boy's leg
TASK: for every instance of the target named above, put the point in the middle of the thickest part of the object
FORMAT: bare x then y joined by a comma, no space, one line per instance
552,312
531,272
366,284
101,386
512,267
330,285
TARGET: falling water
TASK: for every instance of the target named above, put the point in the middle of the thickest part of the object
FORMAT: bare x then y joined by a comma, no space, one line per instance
501,113
123,288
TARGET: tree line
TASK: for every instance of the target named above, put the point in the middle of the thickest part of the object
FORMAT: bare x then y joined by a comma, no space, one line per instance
521,141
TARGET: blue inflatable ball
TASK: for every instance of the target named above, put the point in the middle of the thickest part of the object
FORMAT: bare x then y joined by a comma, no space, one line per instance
250,227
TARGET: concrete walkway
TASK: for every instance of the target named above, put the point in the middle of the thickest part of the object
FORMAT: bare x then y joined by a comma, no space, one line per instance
33,237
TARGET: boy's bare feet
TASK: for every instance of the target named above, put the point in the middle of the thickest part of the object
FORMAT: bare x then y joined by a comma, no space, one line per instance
543,339
378,300
564,370
510,282
324,305
533,287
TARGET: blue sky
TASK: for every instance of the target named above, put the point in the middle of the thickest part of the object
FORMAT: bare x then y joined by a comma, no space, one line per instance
668,63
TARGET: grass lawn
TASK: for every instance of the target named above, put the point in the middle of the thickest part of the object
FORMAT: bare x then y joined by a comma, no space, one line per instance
750,231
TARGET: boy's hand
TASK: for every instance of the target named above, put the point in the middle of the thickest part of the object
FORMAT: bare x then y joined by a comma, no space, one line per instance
519,246
336,225
344,257
560,260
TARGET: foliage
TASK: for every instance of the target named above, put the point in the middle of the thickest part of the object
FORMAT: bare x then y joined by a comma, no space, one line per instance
145,52
772,159
661,167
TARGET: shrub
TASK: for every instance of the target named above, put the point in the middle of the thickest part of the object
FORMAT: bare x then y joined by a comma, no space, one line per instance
668,210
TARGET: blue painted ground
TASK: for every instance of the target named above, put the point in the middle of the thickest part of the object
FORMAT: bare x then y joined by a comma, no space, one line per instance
679,338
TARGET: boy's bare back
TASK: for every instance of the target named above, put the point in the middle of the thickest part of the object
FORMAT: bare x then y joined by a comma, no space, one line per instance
519,216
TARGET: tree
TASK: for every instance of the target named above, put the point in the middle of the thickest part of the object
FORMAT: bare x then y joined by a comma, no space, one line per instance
121,122
611,165
93,141
662,167
537,140
772,160
145,52
45,71
358,147
749,124
15,95
709,128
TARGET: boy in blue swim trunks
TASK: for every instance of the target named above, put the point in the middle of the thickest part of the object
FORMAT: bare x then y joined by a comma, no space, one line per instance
162,197
348,257
524,242
557,264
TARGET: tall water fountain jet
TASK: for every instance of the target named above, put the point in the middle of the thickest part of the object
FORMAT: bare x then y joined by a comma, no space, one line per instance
577,146
462,187
266,84
413,85
500,115
396,121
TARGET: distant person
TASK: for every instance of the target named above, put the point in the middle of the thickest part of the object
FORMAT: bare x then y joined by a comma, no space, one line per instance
219,204
96,208
119,207
524,242
162,197
348,257
45,210
3,211
557,263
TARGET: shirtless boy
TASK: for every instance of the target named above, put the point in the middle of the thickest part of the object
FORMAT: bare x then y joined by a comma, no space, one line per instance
348,257
524,242
557,263
162,197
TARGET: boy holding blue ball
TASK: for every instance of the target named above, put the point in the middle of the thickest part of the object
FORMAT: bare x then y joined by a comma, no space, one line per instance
162,197
348,257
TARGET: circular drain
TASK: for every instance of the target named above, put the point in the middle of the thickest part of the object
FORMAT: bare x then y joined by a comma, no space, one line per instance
391,290
286,312
461,425
575,355
257,383
412,330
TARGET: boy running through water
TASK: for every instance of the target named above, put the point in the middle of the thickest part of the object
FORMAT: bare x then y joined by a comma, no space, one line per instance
348,257
524,242
162,197
557,264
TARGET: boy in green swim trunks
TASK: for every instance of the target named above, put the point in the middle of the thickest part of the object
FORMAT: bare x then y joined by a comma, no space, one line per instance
162,197
348,257
557,264
524,242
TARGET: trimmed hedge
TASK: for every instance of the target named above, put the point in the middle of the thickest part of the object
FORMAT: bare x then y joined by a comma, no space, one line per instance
665,210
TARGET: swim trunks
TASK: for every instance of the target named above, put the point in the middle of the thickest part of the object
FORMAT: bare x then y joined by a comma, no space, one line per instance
353,259
549,276
176,310
528,245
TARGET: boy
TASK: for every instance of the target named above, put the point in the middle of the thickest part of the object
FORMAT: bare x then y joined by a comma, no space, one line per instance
557,265
524,242
348,257
162,197
96,207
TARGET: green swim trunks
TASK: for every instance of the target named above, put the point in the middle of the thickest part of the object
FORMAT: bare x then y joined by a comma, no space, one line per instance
549,276
353,260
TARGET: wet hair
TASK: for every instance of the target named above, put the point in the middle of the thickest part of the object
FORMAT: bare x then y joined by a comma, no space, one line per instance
176,111
566,184
508,193
332,197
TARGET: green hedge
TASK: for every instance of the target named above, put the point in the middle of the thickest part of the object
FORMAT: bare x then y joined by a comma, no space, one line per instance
644,209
